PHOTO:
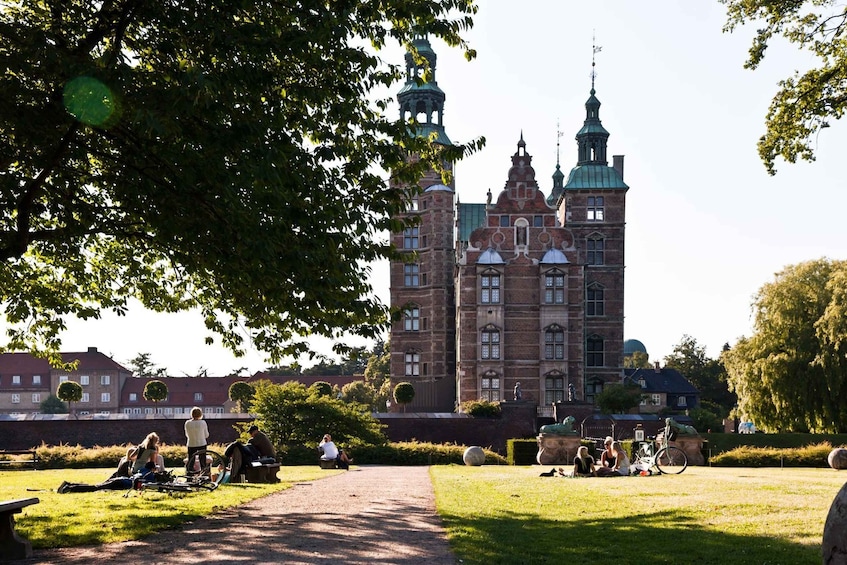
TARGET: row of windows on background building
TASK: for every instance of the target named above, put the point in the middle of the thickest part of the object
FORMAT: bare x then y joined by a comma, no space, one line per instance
555,388
594,211
595,245
37,397
84,380
490,349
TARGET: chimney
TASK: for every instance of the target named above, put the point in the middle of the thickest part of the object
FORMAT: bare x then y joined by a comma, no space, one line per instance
92,350
656,366
617,164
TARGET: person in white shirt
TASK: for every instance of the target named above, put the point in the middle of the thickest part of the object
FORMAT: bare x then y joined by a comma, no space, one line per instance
196,434
330,452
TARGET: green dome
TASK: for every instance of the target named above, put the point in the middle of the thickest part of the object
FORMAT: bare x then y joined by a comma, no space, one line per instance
630,346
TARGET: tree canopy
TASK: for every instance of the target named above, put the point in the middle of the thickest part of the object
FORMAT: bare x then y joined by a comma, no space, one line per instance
222,157
805,102
155,391
706,374
791,374
142,366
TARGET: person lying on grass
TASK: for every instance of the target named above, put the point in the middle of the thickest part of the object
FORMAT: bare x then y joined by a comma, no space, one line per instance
146,475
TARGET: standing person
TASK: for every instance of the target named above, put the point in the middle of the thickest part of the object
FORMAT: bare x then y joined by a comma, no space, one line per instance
261,442
196,434
332,453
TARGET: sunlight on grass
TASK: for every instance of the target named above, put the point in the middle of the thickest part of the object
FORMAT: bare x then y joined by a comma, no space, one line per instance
64,520
499,514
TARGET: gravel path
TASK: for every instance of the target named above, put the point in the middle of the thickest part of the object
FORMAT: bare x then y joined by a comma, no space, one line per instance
366,515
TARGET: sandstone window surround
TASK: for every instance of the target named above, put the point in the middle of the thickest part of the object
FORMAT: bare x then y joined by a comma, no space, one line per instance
554,387
490,387
489,283
554,287
489,342
554,343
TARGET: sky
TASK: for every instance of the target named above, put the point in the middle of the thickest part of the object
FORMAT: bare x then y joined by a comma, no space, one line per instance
707,227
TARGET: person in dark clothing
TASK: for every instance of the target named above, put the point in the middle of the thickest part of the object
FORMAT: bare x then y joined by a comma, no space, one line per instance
583,463
261,442
146,475
125,464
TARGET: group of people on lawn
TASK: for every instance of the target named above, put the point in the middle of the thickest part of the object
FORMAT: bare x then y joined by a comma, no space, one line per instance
141,463
614,462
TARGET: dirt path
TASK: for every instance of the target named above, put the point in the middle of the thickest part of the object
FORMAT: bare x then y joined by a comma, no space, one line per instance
367,515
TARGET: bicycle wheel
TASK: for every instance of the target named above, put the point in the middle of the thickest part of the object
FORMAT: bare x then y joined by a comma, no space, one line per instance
671,460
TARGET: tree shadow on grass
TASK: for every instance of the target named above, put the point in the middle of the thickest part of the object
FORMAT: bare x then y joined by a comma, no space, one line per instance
671,538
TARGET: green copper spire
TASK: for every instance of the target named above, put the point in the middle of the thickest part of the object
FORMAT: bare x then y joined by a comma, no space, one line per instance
423,102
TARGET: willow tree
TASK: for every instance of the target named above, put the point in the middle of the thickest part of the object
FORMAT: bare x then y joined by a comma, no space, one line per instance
222,157
805,102
791,373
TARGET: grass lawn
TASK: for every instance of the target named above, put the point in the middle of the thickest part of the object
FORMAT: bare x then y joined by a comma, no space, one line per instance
65,520
738,516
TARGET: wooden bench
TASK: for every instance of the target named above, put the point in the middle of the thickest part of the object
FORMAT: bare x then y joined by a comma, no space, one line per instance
262,472
31,459
11,546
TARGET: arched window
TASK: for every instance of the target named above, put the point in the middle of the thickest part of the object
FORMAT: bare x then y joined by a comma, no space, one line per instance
554,287
595,304
554,387
554,342
594,351
489,343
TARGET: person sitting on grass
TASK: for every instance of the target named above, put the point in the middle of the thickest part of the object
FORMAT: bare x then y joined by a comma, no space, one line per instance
145,475
583,463
330,452
621,466
607,458
125,464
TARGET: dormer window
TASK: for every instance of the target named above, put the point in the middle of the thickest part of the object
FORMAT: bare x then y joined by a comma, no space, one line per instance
642,383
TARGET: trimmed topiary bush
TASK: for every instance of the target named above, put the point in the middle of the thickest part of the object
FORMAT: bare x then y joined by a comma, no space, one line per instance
481,408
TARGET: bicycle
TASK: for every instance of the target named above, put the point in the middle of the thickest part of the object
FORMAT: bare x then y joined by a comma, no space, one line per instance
668,460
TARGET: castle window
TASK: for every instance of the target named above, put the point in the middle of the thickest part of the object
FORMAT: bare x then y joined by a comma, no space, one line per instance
490,387
411,274
554,287
538,221
490,288
594,352
412,320
594,300
554,342
595,211
596,251
413,364
490,343
504,221
554,388
414,205
410,238
593,387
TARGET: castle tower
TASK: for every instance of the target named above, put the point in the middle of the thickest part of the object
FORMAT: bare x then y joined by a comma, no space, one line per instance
592,204
423,339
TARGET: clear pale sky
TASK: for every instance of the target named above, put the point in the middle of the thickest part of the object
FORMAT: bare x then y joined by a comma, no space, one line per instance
706,225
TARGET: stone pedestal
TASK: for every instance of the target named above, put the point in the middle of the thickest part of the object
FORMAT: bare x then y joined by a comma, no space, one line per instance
692,446
557,449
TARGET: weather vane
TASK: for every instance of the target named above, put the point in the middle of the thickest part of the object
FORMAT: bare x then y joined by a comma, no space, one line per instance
594,50
558,137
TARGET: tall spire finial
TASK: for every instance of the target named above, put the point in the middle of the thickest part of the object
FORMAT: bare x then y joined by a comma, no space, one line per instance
594,50
558,137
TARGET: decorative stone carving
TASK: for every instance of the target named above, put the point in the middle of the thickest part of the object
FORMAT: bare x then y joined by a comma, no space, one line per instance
556,449
563,429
